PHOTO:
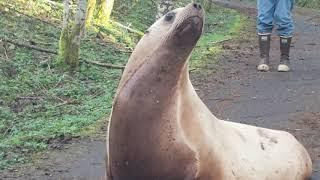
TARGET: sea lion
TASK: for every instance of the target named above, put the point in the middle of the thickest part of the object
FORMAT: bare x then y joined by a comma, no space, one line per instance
161,130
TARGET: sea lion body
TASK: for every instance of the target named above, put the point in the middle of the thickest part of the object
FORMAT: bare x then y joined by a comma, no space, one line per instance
161,130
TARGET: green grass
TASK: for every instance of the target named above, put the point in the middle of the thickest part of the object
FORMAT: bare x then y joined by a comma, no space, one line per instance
309,3
33,91
221,24
39,103
315,4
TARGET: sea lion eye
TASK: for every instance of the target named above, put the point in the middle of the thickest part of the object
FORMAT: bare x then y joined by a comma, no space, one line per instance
169,16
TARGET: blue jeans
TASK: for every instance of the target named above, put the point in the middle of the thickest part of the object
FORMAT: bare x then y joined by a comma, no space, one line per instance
275,12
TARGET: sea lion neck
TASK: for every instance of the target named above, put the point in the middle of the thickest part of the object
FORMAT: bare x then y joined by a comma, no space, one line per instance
160,67
161,71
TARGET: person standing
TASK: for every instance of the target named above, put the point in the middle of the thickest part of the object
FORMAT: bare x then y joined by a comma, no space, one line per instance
275,13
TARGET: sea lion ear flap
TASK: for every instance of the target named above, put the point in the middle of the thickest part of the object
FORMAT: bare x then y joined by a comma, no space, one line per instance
170,16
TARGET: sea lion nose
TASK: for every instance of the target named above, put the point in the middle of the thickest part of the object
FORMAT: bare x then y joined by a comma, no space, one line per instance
197,6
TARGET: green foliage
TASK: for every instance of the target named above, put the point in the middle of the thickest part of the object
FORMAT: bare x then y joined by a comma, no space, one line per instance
43,9
139,14
309,3
304,3
40,104
221,24
119,35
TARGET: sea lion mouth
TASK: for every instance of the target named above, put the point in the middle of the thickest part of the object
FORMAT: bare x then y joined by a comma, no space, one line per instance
193,25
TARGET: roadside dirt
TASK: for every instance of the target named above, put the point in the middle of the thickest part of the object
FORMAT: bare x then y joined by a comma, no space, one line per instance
237,92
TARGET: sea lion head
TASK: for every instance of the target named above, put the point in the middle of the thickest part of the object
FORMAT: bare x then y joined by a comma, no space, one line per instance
180,28
168,43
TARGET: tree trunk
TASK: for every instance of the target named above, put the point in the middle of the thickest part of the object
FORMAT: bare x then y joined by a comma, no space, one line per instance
70,37
104,9
164,6
90,12
65,33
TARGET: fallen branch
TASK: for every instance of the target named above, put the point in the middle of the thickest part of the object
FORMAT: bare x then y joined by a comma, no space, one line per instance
5,52
123,51
8,129
57,84
30,46
65,102
68,103
30,97
105,64
58,98
222,41
38,42
128,28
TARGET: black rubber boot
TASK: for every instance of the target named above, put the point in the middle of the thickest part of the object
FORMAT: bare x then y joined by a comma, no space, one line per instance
264,44
285,43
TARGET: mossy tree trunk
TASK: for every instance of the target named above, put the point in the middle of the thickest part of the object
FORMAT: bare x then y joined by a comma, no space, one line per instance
103,12
90,12
71,34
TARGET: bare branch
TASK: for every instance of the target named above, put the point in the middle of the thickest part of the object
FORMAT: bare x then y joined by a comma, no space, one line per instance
112,66
68,102
128,28
30,97
30,46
